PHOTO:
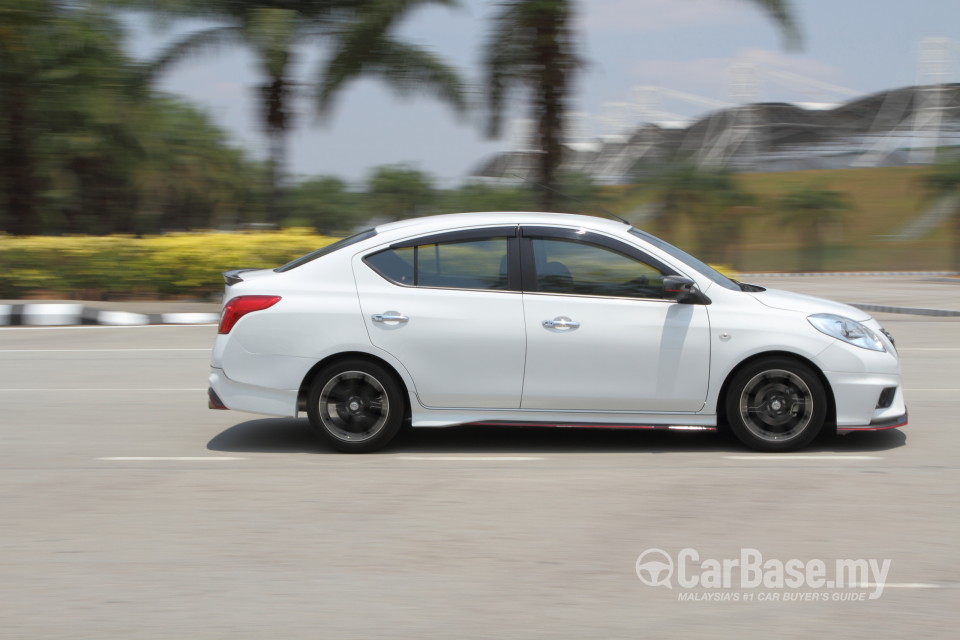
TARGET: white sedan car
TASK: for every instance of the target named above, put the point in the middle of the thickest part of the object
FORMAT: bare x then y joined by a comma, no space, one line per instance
542,319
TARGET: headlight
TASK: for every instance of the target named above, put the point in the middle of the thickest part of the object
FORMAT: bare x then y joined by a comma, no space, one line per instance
847,330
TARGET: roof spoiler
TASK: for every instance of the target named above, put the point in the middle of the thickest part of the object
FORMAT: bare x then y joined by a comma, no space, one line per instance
233,276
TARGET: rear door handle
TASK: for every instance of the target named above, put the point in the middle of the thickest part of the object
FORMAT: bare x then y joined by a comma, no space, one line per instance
561,322
389,316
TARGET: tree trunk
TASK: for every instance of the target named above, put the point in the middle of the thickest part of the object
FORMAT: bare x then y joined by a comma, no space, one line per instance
276,117
16,167
550,103
278,153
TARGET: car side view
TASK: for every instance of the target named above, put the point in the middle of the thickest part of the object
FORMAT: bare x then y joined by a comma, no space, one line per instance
542,319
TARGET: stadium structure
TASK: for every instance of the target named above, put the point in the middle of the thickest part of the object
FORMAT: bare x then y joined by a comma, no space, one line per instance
895,127
909,125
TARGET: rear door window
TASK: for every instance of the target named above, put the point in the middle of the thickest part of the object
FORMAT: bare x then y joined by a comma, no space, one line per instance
472,263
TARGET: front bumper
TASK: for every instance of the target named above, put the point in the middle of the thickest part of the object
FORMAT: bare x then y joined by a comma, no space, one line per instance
878,425
857,400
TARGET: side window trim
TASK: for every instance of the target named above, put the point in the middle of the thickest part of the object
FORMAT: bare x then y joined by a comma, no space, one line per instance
459,235
528,269
416,264
511,233
589,237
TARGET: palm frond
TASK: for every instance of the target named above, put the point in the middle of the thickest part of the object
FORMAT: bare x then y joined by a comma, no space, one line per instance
272,32
198,43
782,14
407,68
507,60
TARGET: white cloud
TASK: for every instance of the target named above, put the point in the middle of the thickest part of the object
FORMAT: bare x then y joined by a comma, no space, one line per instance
779,77
655,15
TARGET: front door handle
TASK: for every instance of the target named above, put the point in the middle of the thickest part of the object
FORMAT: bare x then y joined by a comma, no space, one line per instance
389,316
561,322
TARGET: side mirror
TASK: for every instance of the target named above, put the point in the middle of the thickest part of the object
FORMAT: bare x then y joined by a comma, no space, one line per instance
683,290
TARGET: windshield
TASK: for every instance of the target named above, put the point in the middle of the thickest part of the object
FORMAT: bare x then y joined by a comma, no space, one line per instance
330,248
687,259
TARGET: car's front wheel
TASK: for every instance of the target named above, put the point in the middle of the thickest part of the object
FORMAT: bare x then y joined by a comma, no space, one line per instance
776,404
356,406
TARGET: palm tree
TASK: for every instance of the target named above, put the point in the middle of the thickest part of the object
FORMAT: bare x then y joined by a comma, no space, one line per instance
813,211
944,181
532,46
708,198
359,32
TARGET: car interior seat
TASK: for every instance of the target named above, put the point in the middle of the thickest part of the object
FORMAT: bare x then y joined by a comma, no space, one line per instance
555,278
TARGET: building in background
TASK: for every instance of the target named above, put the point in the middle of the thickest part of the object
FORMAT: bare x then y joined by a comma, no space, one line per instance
896,127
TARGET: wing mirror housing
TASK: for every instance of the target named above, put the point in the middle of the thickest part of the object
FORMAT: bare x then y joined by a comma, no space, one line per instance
683,290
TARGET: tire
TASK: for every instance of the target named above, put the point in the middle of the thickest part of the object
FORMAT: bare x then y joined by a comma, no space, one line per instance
356,406
776,404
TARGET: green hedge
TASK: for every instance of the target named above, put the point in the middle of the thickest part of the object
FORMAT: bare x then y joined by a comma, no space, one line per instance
174,265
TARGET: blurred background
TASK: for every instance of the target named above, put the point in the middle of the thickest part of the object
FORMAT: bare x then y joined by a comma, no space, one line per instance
147,145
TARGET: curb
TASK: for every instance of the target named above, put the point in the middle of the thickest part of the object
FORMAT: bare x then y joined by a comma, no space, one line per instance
59,314
916,311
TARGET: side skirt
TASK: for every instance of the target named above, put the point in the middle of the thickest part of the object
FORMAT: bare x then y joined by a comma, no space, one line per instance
589,425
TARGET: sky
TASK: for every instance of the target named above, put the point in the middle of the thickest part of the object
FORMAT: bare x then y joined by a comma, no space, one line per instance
642,57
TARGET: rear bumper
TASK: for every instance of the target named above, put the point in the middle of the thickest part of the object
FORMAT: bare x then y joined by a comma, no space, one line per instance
214,401
244,397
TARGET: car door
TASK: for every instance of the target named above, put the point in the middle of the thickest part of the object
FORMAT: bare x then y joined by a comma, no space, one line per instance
449,308
601,335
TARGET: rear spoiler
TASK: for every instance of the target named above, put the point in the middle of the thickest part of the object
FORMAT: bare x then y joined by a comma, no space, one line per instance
233,276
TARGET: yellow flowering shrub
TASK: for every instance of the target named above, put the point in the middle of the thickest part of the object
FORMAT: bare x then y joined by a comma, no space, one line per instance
179,264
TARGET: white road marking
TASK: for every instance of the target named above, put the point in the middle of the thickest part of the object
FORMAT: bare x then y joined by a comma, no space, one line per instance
174,458
762,456
89,350
472,458
108,327
90,390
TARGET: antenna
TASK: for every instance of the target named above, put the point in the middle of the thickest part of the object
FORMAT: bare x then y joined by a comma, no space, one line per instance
577,200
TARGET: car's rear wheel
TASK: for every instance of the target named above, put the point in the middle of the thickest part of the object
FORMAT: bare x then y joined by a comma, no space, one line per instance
776,404
356,406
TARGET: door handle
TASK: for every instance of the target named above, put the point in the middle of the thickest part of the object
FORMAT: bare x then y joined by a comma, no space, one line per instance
561,322
389,316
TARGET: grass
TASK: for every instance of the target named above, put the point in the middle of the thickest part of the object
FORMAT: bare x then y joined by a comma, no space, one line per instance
884,201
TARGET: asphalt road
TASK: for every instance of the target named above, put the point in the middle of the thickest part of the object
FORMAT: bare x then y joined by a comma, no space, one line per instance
130,510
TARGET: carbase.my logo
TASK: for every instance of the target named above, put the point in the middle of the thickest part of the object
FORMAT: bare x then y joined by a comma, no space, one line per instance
655,568
750,570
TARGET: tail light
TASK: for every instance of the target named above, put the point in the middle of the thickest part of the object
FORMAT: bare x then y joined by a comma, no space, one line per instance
241,306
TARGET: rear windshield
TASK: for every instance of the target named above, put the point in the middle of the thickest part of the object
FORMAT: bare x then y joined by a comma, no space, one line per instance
330,248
